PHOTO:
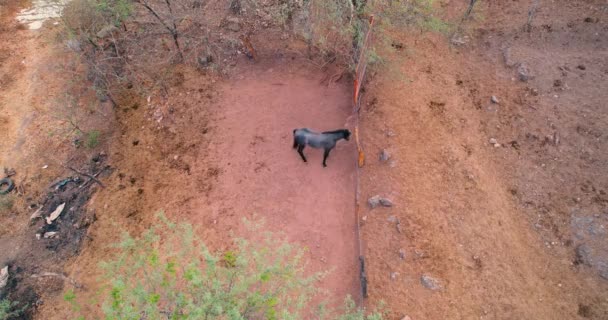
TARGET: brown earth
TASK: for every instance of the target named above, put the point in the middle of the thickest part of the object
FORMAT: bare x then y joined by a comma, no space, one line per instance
500,228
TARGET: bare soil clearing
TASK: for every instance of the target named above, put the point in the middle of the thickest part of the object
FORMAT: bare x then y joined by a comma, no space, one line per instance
261,174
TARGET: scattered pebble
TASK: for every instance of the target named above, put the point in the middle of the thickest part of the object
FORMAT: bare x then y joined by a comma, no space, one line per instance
430,282
3,277
376,200
384,155
394,275
386,202
50,235
524,73
402,254
373,201
494,99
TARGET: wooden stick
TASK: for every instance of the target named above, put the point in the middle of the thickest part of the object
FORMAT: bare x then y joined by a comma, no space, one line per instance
84,174
95,175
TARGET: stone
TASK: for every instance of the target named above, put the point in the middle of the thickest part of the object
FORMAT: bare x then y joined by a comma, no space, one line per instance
374,201
524,73
3,277
430,282
402,254
493,141
583,254
50,234
386,202
394,275
494,99
384,155
106,31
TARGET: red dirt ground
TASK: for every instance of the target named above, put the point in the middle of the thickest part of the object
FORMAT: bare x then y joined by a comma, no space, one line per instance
262,175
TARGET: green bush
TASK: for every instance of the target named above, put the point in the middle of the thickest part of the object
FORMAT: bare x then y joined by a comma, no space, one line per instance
8,309
168,273
92,139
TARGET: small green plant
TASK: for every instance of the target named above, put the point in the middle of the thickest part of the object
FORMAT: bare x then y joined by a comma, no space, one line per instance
9,309
168,273
92,139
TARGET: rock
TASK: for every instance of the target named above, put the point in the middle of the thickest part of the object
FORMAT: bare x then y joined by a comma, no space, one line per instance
374,201
581,67
506,55
55,213
3,277
557,83
406,318
204,61
494,99
430,282
402,254
392,219
394,275
384,155
493,141
106,31
604,272
50,234
583,254
524,73
386,202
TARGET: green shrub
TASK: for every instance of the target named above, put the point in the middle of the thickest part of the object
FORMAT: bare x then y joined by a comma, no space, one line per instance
8,309
92,139
168,273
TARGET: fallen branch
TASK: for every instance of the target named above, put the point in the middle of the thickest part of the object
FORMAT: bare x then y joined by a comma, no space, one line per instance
95,176
57,275
84,174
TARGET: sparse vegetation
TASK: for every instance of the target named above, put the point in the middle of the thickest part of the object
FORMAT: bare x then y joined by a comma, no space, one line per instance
169,273
92,139
9,309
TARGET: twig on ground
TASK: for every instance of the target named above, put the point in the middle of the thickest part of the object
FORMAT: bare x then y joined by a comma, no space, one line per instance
84,174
